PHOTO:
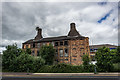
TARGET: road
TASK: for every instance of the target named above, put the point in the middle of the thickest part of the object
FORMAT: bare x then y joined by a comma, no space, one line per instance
63,78
60,76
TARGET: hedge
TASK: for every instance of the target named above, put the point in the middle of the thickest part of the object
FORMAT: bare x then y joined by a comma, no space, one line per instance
65,68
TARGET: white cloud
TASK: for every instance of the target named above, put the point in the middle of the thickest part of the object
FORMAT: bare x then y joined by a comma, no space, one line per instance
55,18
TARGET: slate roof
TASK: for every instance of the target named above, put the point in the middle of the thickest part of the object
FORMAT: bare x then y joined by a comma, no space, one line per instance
59,38
73,34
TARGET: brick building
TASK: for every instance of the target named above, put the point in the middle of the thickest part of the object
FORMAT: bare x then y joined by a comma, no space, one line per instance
69,49
94,48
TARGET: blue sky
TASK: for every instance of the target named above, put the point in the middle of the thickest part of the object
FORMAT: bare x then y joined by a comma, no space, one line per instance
96,20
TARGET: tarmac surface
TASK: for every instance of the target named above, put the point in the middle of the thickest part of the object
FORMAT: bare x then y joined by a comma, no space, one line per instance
60,76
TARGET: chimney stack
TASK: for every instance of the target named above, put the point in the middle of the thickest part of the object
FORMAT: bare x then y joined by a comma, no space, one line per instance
73,31
39,33
72,26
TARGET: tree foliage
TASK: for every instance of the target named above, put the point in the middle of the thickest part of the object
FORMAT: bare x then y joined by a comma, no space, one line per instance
47,53
104,59
117,55
28,51
85,59
9,56
18,60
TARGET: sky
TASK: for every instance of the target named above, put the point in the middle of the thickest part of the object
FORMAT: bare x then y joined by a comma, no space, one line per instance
96,20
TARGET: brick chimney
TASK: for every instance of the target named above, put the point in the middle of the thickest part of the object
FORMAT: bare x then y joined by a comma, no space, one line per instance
39,33
73,31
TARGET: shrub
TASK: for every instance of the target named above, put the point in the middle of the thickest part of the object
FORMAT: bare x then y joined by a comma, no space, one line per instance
61,68
47,53
45,69
116,67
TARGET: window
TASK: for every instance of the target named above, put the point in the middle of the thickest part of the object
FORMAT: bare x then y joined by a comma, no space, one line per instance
81,48
65,43
56,60
38,45
33,45
52,43
74,59
74,48
61,43
74,56
82,44
44,44
33,52
61,59
61,52
66,59
56,43
66,52
26,46
38,54
56,52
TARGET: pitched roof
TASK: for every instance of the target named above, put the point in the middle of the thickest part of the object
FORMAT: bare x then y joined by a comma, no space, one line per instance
59,38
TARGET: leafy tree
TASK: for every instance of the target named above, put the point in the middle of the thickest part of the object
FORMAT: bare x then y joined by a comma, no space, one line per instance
104,59
24,62
9,56
38,63
85,59
117,55
28,51
47,53
27,62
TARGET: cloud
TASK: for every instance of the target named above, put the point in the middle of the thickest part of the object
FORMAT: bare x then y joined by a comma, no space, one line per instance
19,20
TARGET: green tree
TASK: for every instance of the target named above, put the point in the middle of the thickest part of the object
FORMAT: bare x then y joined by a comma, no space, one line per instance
38,63
9,56
24,62
27,62
85,59
28,51
104,59
47,53
117,55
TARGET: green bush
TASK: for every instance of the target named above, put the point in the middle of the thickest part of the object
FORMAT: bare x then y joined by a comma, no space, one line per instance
89,68
45,69
116,67
62,68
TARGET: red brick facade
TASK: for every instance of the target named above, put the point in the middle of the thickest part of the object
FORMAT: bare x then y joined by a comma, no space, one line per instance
69,49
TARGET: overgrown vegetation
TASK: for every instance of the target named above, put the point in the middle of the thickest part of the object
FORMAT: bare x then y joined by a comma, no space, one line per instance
18,60
47,53
107,59
64,68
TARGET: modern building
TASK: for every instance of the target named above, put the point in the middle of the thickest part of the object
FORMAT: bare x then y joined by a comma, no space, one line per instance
94,48
69,49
